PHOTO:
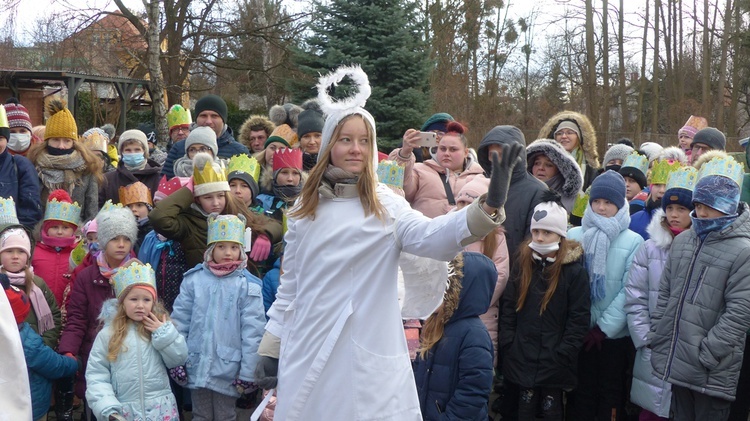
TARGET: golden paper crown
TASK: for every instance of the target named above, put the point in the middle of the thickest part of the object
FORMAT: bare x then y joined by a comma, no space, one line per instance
724,167
178,116
662,169
4,118
208,175
135,193
133,274
244,164
697,122
683,178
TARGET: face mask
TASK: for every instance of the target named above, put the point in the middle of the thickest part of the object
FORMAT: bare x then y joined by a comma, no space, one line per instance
19,142
93,247
133,159
544,249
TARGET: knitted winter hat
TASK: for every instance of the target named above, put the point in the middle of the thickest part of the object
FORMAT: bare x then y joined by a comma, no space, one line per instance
617,151
19,302
208,175
139,136
202,136
283,134
568,124
711,137
212,103
4,125
113,221
437,121
60,122
718,192
18,115
651,150
15,238
473,189
311,119
551,216
95,139
90,227
610,186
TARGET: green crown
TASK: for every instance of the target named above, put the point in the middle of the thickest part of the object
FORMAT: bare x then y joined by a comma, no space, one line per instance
178,115
662,169
724,167
683,178
244,164
133,274
580,205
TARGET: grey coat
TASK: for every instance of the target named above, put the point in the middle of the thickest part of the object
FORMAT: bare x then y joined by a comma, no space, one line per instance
702,313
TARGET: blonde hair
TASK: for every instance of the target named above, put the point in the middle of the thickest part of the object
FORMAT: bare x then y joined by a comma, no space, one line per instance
120,327
551,274
434,327
366,185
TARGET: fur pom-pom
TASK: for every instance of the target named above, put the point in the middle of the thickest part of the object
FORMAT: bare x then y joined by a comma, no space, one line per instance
61,196
109,129
12,100
109,311
201,159
360,80
277,114
311,104
673,153
551,196
55,106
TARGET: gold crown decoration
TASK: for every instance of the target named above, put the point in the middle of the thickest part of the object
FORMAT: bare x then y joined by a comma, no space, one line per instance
131,275
63,211
226,228
178,116
637,161
4,118
244,164
697,122
580,205
208,176
683,178
135,193
8,211
391,173
724,167
662,169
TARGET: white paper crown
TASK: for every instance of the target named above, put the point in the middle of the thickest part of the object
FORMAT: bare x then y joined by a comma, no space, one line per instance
725,167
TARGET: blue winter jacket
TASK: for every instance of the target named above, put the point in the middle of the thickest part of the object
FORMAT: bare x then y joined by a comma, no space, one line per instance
43,365
228,147
19,180
223,321
639,221
609,312
271,284
455,380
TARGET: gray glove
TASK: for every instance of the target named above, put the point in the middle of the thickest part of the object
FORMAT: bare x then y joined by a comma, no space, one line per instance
501,173
266,372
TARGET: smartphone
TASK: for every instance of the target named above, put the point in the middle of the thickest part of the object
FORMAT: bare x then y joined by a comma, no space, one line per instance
427,139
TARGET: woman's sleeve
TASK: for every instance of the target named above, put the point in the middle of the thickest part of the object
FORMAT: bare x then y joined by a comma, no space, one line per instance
411,179
166,218
287,291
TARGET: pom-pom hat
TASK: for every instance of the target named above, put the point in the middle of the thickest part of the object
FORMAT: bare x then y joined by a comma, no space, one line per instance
609,186
60,122
311,119
18,115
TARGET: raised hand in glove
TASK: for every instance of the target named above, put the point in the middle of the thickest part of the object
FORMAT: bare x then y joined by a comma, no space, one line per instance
261,248
502,169
594,337
266,372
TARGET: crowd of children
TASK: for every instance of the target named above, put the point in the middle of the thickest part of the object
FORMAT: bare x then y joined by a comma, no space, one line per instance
225,272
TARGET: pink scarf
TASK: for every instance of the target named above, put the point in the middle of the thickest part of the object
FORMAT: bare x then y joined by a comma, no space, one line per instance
104,268
62,242
45,321
222,269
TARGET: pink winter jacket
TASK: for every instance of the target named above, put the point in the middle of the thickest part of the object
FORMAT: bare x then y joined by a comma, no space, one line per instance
490,318
423,187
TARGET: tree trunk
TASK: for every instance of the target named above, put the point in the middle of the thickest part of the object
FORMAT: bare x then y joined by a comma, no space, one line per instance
736,77
706,67
655,78
679,61
720,97
642,87
605,73
155,74
591,100
621,59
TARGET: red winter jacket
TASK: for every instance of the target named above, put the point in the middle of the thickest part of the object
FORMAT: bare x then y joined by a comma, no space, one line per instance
54,267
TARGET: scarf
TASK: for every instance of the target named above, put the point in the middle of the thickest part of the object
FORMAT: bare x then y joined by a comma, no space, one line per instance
183,167
556,183
338,183
223,269
704,226
45,321
104,268
61,171
580,158
598,233
61,242
286,193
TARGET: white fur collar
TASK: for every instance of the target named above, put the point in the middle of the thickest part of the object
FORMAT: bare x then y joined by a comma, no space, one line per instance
660,235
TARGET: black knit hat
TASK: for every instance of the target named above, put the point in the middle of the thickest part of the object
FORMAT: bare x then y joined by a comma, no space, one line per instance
248,179
212,103
311,119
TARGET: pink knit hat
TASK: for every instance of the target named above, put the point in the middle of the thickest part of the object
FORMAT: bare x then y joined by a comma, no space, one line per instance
478,186
15,238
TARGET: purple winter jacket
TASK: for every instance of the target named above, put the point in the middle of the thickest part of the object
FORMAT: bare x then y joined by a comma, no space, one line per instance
90,290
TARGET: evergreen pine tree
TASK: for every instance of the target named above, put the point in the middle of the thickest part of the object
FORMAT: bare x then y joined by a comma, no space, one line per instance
383,37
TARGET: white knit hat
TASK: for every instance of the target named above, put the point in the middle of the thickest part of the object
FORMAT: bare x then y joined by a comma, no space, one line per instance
134,134
552,217
113,221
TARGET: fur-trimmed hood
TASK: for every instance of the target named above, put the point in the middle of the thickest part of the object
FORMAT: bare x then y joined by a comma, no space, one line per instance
472,277
658,233
588,135
255,121
714,153
565,163
575,252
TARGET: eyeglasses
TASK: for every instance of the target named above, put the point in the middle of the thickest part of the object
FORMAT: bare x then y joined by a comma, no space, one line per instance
700,147
181,129
438,133
192,150
568,133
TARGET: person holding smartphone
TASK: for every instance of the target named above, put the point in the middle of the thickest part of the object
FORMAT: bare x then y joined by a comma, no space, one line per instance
430,186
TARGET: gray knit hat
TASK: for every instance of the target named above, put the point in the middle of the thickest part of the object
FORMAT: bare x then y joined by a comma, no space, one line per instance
133,134
115,220
617,151
202,136
712,138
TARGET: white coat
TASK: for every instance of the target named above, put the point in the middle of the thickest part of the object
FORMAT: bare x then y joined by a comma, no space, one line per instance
343,353
15,394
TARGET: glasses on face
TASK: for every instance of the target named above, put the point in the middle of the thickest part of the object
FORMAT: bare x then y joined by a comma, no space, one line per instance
438,134
567,133
194,150
181,129
699,147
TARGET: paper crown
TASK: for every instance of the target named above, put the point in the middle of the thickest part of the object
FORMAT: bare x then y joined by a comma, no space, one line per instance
683,178
579,208
283,134
699,123
724,167
133,274
8,211
178,115
108,206
244,164
168,187
63,211
208,174
637,161
95,139
661,170
135,193
287,158
390,173
3,117
226,228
